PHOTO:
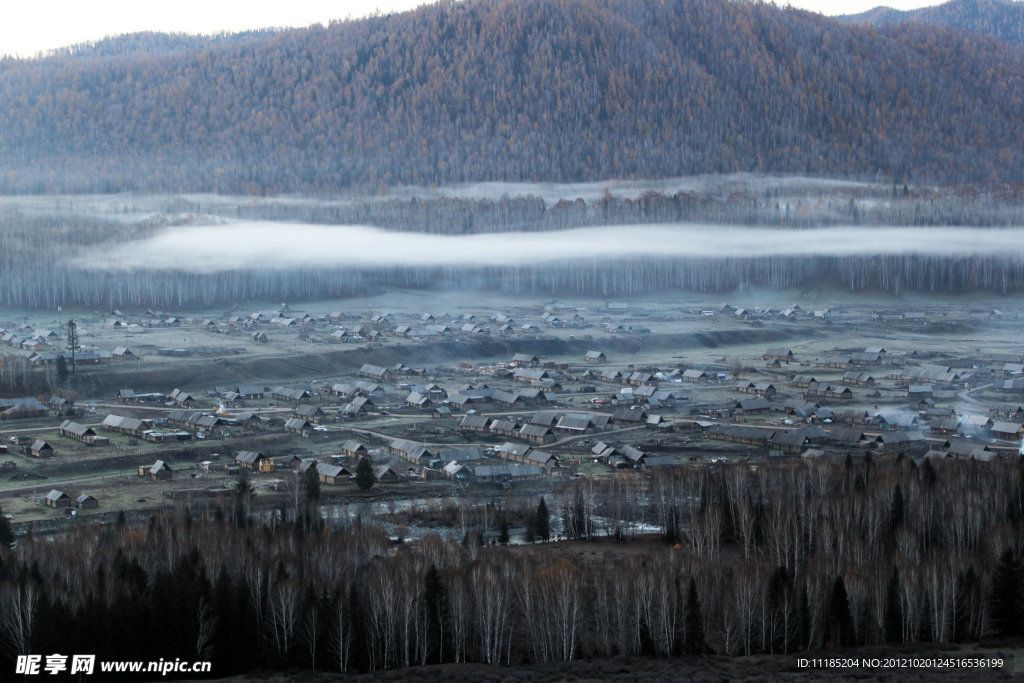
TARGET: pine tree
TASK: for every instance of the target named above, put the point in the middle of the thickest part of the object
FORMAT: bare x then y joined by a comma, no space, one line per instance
434,601
780,589
542,521
928,474
244,493
311,497
805,619
695,643
6,534
1006,603
840,620
311,486
968,589
364,474
896,511
503,536
73,345
893,610
62,370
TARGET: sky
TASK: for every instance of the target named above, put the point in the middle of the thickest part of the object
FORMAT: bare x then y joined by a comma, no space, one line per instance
28,27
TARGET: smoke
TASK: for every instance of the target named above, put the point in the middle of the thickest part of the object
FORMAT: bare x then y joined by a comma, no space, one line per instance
282,246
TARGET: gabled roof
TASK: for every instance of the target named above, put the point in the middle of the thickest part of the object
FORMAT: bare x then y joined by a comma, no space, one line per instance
1007,427
534,431
77,429
460,454
574,422
121,422
325,470
474,422
516,449
248,457
540,457
298,423
631,453
159,466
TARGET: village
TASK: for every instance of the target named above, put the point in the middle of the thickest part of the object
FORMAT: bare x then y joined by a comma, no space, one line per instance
157,407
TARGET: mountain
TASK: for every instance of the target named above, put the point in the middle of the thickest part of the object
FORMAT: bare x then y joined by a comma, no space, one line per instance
532,90
999,19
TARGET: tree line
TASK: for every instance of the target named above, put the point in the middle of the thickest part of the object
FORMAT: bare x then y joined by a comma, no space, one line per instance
39,251
777,559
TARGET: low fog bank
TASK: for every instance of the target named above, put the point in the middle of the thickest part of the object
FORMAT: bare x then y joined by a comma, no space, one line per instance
244,245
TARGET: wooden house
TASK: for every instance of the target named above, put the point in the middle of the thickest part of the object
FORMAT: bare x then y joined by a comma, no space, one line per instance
86,502
183,398
248,421
41,449
123,353
332,474
375,372
57,499
752,406
254,461
61,406
513,451
385,474
313,413
694,375
251,391
298,425
500,473
418,401
21,408
354,449
536,433
778,353
1009,431
158,471
296,394
475,423
504,427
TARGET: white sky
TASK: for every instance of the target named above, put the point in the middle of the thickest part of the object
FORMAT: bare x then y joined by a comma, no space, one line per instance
30,26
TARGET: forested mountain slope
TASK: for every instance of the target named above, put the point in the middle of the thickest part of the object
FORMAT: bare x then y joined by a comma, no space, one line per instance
518,90
1002,19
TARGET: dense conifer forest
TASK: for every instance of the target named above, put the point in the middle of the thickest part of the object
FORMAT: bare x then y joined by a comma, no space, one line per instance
515,90
1001,19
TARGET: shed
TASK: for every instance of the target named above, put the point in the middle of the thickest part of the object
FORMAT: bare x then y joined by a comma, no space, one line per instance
58,499
41,449
86,502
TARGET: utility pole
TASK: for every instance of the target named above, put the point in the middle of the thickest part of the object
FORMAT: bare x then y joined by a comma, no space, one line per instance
73,345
